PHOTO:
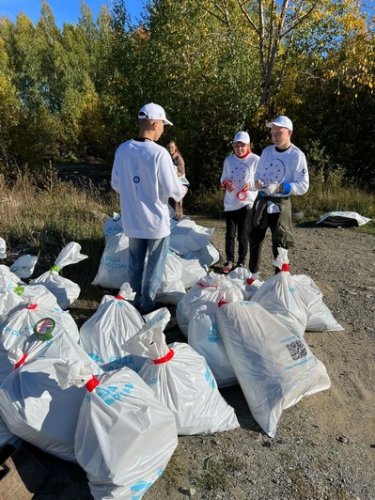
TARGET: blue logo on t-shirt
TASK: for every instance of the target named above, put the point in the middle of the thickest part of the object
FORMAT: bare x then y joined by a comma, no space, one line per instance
136,179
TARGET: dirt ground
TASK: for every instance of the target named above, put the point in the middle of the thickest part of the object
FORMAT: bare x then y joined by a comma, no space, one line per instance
325,445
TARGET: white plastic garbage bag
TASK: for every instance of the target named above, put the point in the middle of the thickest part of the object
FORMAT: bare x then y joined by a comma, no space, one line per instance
24,266
9,300
205,294
192,271
207,256
9,275
246,281
124,437
33,405
114,322
204,338
113,225
319,316
343,219
172,288
187,236
279,295
17,331
114,264
274,365
181,379
65,290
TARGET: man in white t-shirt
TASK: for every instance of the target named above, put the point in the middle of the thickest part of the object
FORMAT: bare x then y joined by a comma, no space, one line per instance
145,177
281,173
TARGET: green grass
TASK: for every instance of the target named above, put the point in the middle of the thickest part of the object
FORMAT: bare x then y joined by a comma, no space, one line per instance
329,195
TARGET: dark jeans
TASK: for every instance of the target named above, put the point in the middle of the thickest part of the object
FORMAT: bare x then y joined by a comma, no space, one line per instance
238,222
282,234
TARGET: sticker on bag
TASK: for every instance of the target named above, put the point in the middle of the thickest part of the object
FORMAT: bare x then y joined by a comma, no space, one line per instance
44,328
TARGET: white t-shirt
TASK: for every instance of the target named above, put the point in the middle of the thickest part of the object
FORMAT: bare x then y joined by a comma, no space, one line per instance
239,171
287,166
144,175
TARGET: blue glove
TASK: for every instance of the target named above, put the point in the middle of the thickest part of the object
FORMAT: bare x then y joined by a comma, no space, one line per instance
285,188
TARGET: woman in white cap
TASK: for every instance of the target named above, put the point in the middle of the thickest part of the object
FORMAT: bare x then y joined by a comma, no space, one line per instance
238,182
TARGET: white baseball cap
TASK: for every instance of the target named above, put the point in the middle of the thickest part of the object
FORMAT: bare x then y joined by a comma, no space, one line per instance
242,137
281,121
152,111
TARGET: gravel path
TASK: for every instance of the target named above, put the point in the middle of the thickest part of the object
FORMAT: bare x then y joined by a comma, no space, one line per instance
325,445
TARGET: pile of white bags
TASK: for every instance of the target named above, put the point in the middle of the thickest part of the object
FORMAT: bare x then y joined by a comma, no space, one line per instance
189,255
124,436
65,290
205,296
33,405
192,241
264,342
182,380
115,321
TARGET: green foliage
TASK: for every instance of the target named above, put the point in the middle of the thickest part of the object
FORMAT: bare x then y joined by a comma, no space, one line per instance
73,92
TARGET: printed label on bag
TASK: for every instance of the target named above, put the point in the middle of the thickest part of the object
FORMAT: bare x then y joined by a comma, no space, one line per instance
44,328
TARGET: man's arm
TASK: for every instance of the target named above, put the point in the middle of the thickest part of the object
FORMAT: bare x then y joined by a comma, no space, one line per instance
300,183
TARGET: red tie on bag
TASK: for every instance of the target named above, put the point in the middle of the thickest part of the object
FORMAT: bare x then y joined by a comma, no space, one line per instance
165,358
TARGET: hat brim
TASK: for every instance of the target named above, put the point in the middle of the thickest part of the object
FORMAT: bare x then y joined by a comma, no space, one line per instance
167,122
269,125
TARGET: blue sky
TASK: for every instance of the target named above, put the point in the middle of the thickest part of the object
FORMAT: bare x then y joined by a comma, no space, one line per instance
67,11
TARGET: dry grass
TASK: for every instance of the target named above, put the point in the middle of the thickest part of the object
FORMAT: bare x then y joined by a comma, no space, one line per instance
40,216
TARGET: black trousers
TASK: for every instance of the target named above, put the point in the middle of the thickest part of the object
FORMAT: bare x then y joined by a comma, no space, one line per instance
280,225
238,222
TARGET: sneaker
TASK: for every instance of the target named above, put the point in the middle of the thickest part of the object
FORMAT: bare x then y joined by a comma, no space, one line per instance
243,266
227,267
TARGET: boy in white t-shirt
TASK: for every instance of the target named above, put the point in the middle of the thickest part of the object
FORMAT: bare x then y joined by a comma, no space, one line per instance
145,177
238,182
